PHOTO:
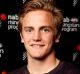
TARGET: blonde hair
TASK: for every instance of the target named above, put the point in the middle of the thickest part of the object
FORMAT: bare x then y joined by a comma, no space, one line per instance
46,5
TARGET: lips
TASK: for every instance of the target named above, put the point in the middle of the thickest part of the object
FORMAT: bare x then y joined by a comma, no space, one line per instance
37,45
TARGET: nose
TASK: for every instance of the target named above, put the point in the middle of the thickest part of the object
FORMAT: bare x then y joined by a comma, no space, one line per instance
37,36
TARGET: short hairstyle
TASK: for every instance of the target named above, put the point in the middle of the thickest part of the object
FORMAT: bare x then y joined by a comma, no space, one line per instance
46,5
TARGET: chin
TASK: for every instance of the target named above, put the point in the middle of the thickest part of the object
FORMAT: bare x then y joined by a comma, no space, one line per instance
39,57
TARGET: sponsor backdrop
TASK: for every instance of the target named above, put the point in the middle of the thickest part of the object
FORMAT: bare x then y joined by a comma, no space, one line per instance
12,52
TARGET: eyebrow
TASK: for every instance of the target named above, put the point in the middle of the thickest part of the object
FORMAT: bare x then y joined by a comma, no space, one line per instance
28,27
46,27
42,27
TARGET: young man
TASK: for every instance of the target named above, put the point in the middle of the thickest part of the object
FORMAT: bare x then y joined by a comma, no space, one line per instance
39,26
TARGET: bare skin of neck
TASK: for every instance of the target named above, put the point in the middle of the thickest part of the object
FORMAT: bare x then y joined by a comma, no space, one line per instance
42,66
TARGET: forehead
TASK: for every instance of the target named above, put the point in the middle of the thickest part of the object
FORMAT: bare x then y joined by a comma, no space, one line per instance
38,17
38,14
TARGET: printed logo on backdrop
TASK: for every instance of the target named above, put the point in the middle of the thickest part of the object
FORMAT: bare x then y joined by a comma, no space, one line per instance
24,55
12,21
71,24
1,50
4,72
76,53
23,1
75,2
3,18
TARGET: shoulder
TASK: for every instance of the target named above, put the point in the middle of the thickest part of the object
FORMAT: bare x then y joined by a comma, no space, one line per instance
70,68
22,70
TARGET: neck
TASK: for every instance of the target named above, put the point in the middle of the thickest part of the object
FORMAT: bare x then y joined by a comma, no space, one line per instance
42,66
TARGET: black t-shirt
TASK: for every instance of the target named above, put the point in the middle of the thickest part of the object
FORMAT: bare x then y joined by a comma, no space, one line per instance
62,68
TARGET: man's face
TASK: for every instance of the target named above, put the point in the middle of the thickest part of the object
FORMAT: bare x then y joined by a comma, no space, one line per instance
38,33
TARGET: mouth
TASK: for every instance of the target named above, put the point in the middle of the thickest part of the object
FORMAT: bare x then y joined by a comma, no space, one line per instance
37,45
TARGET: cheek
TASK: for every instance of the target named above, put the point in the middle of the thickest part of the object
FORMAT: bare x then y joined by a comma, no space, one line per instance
25,38
48,38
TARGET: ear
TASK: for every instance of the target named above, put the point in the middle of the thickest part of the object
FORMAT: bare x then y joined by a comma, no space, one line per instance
22,41
57,38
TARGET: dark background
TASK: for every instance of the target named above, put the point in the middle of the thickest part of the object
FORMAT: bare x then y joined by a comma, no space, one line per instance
13,49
